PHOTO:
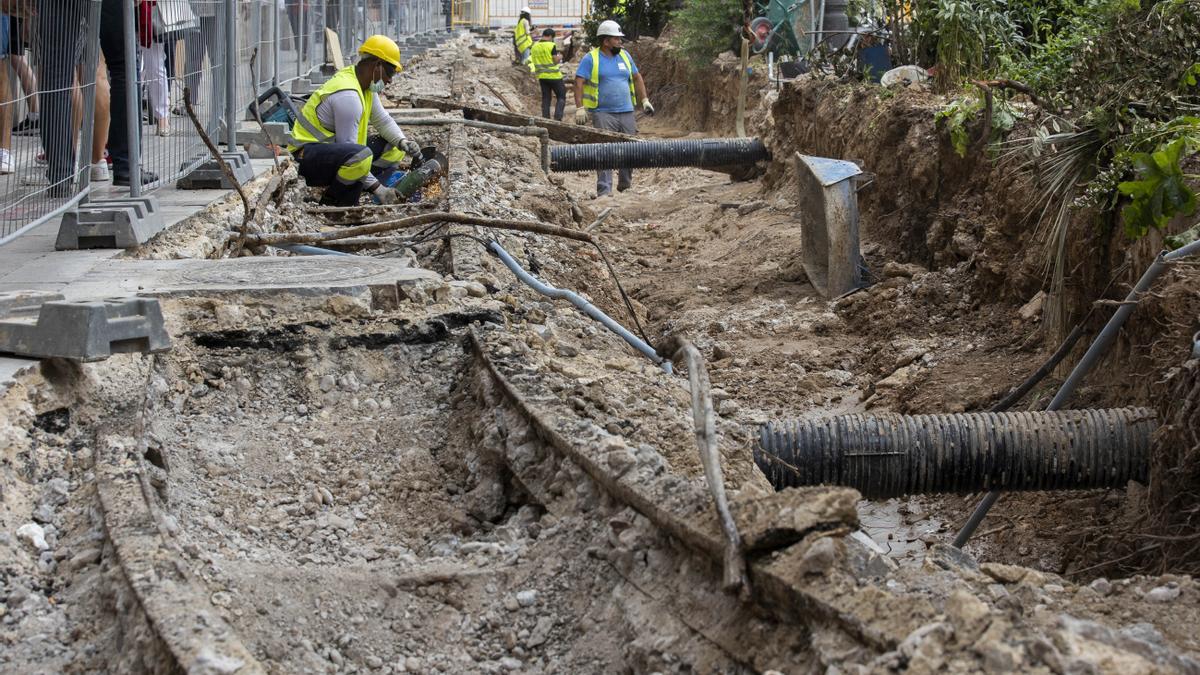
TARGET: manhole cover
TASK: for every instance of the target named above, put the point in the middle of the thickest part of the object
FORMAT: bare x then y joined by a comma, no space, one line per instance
292,271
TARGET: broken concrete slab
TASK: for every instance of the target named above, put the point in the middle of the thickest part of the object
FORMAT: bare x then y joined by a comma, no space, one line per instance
307,275
783,518
86,331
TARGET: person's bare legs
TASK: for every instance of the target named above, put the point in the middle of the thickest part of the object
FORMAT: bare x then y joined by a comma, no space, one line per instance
100,130
100,118
28,81
6,119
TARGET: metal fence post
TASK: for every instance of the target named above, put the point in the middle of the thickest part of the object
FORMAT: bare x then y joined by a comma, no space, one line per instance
302,43
343,29
362,21
231,50
275,33
133,100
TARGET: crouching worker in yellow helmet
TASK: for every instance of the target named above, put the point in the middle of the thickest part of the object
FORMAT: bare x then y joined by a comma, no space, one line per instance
330,139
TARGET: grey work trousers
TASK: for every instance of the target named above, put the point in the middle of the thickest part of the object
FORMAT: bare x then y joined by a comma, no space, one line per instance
625,123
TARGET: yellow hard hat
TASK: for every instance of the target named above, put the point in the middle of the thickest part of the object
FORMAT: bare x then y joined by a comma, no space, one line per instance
383,47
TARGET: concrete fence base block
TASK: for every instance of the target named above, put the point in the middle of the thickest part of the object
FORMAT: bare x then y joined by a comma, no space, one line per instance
302,86
208,176
310,82
86,331
110,223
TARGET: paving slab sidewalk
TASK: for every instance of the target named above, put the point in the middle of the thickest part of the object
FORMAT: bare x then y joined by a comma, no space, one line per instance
30,262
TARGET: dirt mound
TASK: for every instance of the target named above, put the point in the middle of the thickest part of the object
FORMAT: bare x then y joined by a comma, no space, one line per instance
694,99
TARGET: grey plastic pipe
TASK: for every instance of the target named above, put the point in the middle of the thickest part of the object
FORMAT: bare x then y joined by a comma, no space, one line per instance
543,135
583,305
304,249
1094,353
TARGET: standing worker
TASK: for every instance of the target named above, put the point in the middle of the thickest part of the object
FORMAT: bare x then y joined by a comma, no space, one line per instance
607,83
523,35
545,62
330,135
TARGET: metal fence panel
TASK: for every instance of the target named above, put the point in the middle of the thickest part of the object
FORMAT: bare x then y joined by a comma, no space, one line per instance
70,62
191,57
48,84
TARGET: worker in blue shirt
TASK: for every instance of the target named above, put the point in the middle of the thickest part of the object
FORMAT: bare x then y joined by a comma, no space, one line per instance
607,83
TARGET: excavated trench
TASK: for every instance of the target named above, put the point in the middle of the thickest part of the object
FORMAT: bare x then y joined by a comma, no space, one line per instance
341,505
465,477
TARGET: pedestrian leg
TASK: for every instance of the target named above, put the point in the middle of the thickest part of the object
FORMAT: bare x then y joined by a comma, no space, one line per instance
100,124
608,122
112,44
560,102
547,87
154,74
626,123
56,74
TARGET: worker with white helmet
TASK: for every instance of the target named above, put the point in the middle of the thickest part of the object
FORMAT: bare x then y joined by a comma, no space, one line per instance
523,36
608,84
329,138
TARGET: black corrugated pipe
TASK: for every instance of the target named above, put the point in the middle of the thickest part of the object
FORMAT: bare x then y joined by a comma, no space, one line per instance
707,152
892,455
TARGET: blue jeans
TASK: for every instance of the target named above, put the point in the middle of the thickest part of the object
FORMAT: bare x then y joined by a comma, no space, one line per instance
625,123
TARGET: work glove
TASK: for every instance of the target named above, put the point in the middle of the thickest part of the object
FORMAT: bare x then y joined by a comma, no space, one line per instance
647,106
411,148
385,195
581,116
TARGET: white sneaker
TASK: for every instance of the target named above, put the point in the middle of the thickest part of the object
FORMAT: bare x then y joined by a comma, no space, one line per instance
99,172
6,162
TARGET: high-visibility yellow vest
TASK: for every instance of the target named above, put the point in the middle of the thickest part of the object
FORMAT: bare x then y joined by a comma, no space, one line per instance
591,86
521,35
543,61
308,129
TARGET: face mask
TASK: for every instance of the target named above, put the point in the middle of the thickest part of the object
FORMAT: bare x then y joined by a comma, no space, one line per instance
377,86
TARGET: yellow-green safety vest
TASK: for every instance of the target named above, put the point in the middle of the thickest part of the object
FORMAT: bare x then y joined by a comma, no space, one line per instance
591,86
521,35
308,129
542,63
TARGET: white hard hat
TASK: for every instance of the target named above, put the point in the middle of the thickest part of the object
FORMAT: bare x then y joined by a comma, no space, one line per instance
526,10
609,29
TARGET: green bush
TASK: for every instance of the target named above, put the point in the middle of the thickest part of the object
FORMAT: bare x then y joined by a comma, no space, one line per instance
974,38
637,17
705,28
